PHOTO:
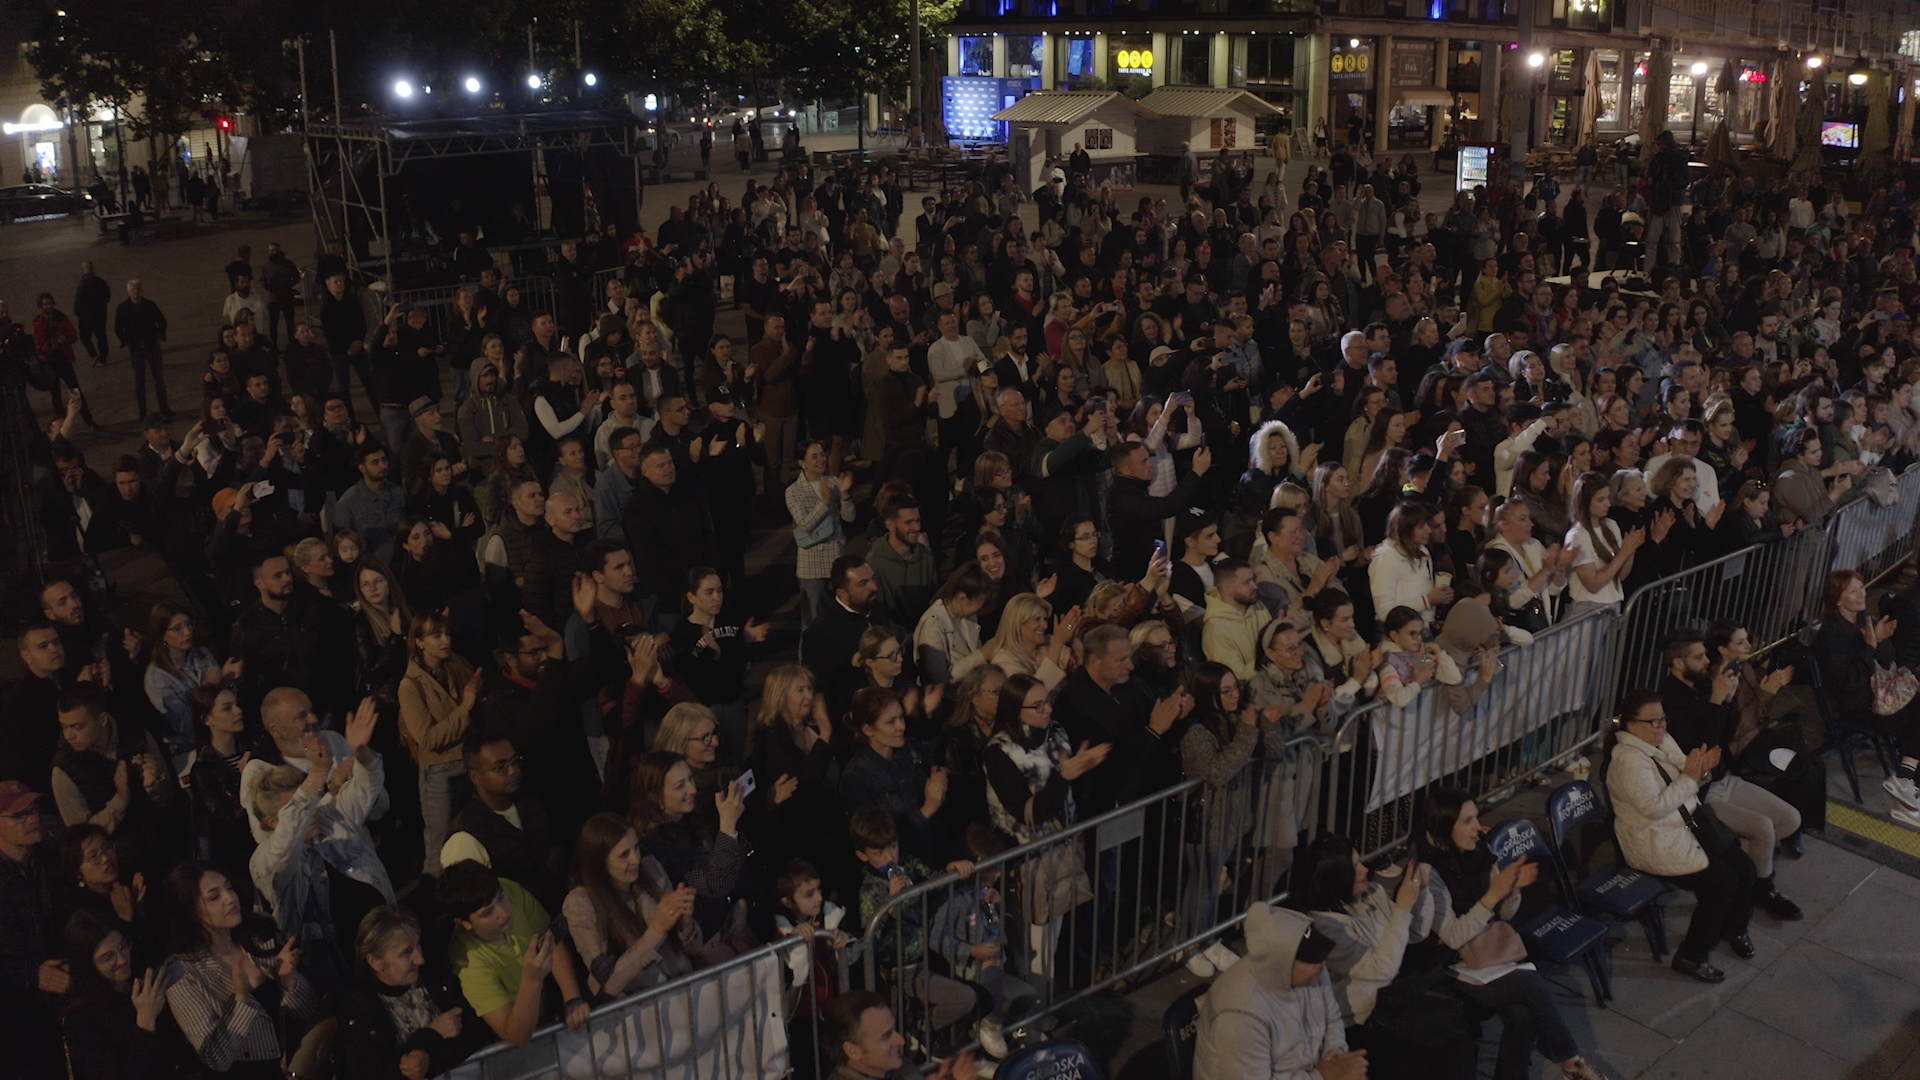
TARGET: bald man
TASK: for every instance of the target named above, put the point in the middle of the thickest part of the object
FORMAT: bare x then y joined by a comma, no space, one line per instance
288,716
547,588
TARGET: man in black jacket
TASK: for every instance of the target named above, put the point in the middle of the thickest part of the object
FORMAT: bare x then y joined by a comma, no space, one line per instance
1484,427
90,299
828,645
1701,712
284,639
1134,515
1099,704
668,527
344,324
141,328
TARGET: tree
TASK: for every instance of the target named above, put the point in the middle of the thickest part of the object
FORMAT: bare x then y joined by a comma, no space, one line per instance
840,48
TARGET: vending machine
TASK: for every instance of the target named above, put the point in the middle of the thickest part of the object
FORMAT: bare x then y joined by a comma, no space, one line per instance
1477,163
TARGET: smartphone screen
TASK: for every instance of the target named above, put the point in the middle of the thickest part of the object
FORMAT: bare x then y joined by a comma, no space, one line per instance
747,784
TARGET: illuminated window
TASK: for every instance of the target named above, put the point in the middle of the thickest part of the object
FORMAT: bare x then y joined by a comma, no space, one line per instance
976,56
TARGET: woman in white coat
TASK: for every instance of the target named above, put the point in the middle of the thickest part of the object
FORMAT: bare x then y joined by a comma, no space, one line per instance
1655,788
1401,574
946,642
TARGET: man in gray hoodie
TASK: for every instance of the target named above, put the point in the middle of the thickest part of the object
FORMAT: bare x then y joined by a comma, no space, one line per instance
486,418
1273,1015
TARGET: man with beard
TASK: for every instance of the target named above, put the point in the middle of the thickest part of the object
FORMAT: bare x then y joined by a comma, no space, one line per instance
283,639
828,646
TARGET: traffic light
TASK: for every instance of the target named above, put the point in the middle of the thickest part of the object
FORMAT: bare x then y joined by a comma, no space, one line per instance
223,122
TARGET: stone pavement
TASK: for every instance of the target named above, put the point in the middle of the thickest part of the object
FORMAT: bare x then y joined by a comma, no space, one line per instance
1833,997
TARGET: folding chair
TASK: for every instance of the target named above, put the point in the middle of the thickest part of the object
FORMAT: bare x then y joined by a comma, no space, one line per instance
1556,934
1846,738
1618,892
1181,1028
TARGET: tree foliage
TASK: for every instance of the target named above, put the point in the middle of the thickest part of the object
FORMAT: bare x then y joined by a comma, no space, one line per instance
170,63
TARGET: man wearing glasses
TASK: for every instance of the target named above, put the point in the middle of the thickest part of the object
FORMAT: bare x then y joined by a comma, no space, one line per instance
502,827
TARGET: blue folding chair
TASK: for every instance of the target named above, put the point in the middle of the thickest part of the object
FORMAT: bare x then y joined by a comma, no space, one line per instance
1556,934
1181,1030
1618,892
1055,1058
1845,738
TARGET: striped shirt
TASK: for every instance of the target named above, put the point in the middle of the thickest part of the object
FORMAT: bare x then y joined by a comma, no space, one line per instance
226,1032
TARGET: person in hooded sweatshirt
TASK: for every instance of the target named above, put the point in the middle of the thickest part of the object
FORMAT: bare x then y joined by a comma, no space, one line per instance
488,415
1273,1015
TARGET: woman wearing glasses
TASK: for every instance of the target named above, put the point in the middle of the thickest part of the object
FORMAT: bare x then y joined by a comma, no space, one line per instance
1030,769
1655,788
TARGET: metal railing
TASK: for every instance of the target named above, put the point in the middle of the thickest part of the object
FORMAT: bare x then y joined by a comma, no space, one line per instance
1160,877
725,1022
1874,539
1164,875
1536,712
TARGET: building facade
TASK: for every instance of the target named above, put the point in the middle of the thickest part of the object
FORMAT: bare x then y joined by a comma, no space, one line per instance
1412,75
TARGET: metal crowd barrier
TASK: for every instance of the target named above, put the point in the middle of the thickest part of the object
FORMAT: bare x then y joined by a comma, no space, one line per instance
1167,873
1874,539
1537,712
726,1022
1771,589
1155,885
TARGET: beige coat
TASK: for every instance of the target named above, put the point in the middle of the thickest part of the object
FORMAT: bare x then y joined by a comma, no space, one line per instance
433,720
1646,809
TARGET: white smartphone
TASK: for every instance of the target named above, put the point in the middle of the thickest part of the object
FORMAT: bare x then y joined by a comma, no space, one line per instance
746,782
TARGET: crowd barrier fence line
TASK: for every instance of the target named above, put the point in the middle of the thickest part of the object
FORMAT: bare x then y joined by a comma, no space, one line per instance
1172,870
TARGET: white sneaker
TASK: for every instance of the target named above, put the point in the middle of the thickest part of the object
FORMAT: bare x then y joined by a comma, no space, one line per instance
1903,790
1200,966
1221,957
1904,816
991,1038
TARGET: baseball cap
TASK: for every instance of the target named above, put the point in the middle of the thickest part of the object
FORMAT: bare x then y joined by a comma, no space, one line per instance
16,796
1314,947
723,393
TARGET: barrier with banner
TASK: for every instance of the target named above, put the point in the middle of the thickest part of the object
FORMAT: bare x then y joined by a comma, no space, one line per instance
726,1022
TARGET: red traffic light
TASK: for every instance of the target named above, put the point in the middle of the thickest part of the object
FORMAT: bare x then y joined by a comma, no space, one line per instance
225,123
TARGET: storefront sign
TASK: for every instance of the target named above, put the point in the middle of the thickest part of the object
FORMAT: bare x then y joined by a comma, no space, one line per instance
1134,61
1352,60
1413,63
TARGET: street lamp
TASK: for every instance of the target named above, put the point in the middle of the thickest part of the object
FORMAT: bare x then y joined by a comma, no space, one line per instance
1699,68
472,84
1813,61
1534,60
1857,74
533,82
402,88
592,79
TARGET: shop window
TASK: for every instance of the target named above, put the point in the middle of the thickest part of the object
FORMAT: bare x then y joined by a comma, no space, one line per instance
1024,57
1195,62
1075,64
1099,138
1609,111
1463,66
976,56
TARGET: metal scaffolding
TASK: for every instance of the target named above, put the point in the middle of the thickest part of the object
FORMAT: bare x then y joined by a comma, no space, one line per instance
350,163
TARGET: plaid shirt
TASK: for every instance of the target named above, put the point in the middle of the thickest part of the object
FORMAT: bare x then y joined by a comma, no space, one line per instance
804,503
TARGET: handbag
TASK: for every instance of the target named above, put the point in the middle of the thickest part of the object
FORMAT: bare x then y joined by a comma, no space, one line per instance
1498,944
1419,1011
1893,688
1712,834
1053,883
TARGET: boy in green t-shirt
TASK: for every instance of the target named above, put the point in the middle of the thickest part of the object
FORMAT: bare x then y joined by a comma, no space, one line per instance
502,953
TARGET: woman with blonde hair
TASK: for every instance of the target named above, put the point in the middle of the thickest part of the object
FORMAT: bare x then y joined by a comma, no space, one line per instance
1022,647
693,731
437,694
312,559
795,806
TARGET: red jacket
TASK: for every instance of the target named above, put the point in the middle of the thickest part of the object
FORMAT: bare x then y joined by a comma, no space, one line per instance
53,336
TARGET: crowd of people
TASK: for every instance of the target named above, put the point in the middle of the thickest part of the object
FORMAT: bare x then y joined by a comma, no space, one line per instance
461,720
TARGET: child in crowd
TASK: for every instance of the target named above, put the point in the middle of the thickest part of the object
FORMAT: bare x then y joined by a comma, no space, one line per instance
900,939
502,952
803,911
970,931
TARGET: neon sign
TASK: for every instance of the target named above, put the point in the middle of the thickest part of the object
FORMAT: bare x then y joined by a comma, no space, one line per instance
1134,61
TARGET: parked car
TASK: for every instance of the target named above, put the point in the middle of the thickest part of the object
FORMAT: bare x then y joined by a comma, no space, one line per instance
38,200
